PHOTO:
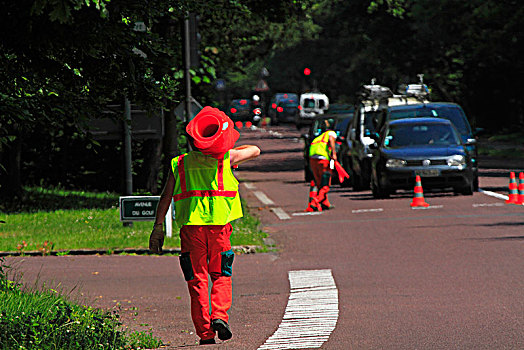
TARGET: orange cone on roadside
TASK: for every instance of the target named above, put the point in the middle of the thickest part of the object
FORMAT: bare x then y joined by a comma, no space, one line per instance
513,190
313,204
418,199
520,199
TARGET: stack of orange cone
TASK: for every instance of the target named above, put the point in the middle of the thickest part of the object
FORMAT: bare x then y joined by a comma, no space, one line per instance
313,204
520,199
513,191
418,199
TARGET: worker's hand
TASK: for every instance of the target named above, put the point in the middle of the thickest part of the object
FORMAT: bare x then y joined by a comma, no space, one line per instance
156,240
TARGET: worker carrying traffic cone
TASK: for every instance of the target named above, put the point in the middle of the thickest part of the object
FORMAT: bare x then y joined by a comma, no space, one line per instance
513,190
418,199
206,198
322,156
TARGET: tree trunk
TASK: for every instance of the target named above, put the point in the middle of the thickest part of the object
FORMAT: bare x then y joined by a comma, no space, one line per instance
12,174
170,148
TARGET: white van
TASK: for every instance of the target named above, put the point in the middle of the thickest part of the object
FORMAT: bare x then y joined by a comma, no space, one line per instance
311,104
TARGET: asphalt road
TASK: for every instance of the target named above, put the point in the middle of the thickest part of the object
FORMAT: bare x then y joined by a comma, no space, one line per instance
447,277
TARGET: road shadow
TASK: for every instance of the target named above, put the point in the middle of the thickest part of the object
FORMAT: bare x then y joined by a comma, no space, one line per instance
498,239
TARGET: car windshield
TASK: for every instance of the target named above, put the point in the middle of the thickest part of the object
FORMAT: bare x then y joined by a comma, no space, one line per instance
369,125
407,135
452,113
342,125
240,104
309,103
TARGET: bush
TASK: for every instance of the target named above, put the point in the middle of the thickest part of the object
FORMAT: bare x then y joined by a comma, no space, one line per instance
47,320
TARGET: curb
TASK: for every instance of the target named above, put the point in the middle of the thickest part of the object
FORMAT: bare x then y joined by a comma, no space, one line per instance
247,249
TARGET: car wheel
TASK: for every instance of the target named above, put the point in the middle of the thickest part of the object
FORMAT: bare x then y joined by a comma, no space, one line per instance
377,191
357,182
476,183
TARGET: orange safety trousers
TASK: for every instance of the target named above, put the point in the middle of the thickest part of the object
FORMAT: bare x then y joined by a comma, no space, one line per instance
209,250
319,168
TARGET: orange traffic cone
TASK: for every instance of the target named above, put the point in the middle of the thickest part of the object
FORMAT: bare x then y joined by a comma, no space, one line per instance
418,199
520,199
313,205
513,191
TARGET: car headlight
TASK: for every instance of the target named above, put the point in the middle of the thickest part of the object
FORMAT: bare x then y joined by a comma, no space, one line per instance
456,160
395,163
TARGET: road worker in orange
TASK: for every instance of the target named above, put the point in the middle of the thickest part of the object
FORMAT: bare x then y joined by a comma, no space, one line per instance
206,198
322,156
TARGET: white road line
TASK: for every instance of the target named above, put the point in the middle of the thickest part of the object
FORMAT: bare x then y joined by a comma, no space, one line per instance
307,213
430,207
249,186
476,205
282,215
311,313
263,198
356,211
494,194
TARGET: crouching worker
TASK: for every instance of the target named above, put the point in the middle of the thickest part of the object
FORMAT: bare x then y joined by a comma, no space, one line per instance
206,199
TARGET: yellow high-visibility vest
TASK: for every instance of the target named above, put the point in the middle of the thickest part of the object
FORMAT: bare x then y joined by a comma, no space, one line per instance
206,191
320,146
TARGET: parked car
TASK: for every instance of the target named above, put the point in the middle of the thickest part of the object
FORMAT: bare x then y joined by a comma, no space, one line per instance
429,147
287,110
240,110
449,111
311,105
342,121
371,107
273,104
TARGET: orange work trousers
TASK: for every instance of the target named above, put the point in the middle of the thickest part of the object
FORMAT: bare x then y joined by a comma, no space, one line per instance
206,250
320,169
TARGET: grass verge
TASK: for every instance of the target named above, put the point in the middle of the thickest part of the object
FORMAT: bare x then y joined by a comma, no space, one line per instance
46,319
54,219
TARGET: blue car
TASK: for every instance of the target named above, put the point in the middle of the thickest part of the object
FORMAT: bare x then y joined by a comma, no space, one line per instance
445,110
429,147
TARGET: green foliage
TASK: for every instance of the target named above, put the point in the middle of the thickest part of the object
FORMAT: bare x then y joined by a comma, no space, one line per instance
69,220
46,319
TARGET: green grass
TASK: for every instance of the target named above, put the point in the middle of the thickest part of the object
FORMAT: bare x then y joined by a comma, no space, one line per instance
61,224
44,318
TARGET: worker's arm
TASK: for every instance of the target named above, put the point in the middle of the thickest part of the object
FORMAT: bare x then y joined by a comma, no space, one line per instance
332,146
243,153
156,239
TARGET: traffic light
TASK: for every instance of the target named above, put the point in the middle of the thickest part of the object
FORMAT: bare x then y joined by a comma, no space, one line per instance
307,71
194,40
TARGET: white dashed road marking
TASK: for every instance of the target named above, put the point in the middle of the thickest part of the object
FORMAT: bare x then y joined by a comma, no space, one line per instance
307,213
263,198
476,205
356,211
311,312
282,215
430,207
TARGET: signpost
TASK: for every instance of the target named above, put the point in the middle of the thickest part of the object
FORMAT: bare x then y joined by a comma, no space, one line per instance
143,208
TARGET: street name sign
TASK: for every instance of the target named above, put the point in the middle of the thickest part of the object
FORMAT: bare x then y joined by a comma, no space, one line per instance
138,208
143,208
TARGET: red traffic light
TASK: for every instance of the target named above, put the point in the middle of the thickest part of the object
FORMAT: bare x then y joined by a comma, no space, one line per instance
307,71
233,110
